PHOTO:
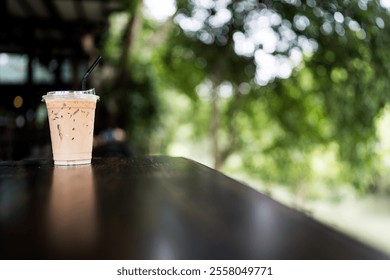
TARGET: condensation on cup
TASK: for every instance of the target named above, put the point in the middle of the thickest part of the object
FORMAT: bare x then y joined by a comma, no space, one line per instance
71,119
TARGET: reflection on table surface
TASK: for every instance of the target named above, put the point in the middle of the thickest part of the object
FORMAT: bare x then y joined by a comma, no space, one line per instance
152,208
71,213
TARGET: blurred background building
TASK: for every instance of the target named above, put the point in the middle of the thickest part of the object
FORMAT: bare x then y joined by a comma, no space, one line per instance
44,45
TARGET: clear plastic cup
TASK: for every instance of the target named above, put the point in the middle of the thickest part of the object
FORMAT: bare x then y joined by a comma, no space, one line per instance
71,119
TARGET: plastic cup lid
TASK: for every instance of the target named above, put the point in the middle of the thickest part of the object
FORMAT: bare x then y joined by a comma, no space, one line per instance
71,94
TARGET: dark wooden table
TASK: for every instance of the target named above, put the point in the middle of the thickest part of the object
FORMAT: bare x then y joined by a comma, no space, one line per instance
152,208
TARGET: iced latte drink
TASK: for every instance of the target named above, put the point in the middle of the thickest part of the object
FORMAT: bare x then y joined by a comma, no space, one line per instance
71,119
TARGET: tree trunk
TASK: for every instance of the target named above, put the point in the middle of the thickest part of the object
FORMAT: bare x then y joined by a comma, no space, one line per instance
128,38
215,123
216,81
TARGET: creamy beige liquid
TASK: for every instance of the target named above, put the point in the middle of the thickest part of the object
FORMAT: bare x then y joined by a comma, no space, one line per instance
71,127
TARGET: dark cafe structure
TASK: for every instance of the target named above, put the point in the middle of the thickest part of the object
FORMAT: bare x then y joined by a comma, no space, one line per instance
44,45
144,207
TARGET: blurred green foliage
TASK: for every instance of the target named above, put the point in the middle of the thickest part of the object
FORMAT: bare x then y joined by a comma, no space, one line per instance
278,128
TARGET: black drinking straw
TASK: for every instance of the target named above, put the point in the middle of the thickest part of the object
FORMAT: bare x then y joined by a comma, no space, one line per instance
90,69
